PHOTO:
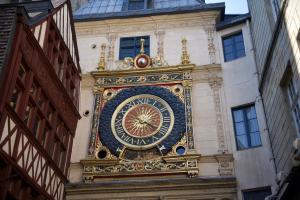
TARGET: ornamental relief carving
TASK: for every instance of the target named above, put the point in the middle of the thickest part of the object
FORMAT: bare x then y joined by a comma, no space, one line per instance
111,38
216,84
142,26
211,32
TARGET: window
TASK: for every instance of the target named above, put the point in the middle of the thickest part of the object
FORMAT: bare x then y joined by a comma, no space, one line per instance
246,127
233,47
257,194
136,4
294,101
130,46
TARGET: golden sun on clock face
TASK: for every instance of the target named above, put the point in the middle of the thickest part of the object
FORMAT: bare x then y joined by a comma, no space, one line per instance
142,121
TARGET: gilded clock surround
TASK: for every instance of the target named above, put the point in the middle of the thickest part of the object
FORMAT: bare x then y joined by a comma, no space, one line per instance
177,80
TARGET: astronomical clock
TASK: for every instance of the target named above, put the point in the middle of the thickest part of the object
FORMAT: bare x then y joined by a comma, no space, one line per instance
142,120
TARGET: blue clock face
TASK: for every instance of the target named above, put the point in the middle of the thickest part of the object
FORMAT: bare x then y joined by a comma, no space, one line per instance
142,121
141,118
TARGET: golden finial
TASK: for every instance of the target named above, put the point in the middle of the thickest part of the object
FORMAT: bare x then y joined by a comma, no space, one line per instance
142,51
185,58
101,64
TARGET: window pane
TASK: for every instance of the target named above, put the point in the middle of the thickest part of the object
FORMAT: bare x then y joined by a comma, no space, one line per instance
238,115
242,142
233,47
253,125
227,41
239,46
240,128
229,49
251,114
130,47
135,4
239,38
229,57
255,139
240,54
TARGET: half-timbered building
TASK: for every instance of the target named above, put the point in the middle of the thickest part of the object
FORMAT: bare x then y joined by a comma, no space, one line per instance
39,98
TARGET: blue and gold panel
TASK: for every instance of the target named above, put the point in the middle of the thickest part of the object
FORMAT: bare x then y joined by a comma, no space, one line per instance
142,118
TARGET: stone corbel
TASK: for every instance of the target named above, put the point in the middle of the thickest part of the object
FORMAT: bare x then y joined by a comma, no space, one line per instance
225,164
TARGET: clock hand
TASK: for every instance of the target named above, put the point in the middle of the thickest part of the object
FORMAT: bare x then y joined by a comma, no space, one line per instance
154,127
145,122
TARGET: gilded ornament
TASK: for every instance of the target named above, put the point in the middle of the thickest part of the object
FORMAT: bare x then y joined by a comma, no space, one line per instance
108,94
185,58
121,80
142,79
187,83
164,77
177,90
101,65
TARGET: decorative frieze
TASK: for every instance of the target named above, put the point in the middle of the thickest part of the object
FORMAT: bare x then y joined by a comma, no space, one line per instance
111,50
160,60
93,169
211,32
216,83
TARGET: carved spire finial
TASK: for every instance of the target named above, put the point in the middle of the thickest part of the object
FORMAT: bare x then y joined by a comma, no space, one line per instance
142,51
101,64
185,58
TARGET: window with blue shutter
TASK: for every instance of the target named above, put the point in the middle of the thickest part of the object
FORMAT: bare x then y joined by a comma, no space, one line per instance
131,46
246,127
233,47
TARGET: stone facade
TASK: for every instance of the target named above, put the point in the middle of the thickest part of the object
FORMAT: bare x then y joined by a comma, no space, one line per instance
215,88
275,29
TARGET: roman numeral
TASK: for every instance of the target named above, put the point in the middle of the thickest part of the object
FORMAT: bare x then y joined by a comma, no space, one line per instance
143,101
163,130
123,112
141,142
154,139
127,138
131,103
167,119
118,122
163,109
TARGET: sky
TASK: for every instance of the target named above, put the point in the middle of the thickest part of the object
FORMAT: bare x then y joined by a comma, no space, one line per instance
233,6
